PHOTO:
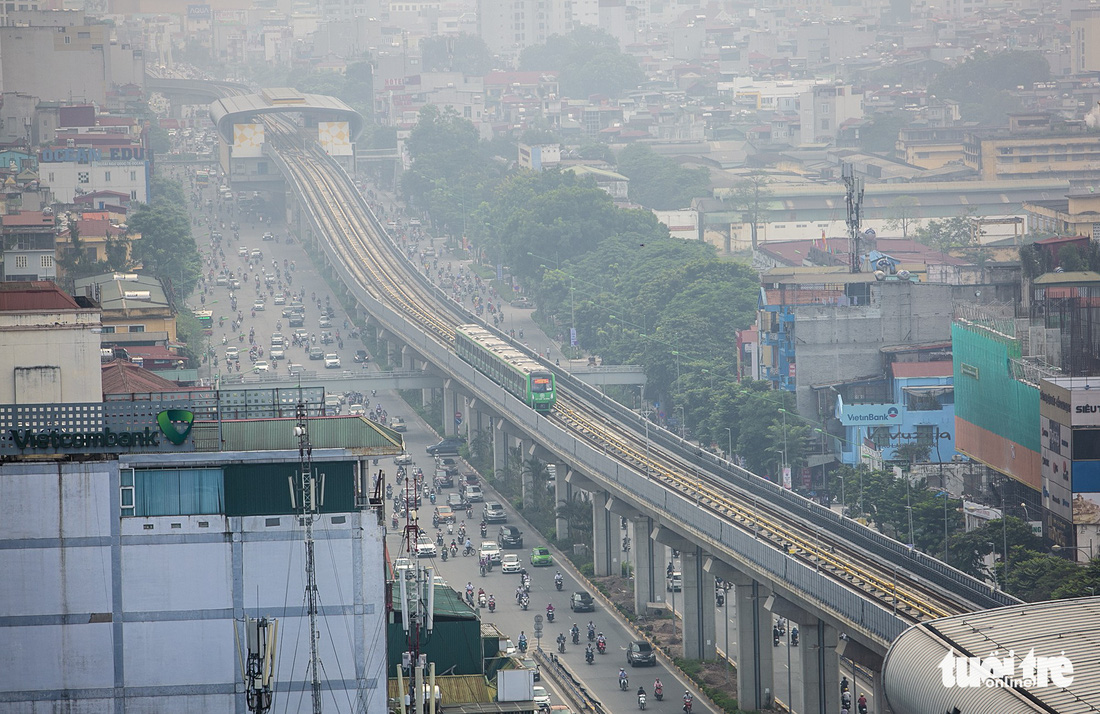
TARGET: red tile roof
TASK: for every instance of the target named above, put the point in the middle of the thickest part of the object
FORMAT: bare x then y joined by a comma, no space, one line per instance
37,295
27,218
907,370
120,377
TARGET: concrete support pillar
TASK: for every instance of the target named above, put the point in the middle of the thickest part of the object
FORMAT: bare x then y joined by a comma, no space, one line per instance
646,578
500,446
563,493
603,550
820,667
449,410
753,651
698,609
408,361
526,476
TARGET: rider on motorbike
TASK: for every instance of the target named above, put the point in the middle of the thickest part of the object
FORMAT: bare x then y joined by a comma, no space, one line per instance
558,579
576,632
658,688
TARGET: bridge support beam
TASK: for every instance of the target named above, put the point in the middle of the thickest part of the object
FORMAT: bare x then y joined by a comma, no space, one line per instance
449,410
754,651
500,446
563,493
698,620
645,569
408,359
818,665
603,550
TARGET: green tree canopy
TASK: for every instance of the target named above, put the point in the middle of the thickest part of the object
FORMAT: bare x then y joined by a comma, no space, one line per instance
167,248
467,54
588,61
659,182
983,83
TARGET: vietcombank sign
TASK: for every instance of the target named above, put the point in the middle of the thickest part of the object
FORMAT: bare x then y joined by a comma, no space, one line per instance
170,429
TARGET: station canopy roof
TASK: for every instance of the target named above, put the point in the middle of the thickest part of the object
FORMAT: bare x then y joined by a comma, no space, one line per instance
243,108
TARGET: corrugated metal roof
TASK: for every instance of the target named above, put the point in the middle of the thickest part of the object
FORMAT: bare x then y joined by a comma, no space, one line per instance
1079,276
456,689
354,433
918,676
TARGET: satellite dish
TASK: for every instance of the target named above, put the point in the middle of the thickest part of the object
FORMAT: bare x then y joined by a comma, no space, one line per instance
903,274
879,275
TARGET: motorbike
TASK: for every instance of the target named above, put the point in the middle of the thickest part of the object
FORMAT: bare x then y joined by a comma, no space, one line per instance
561,644
549,615
445,555
492,605
601,647
588,656
523,646
641,701
439,539
558,584
591,634
659,693
624,682
687,706
794,637
454,550
576,637
482,601
524,602
484,530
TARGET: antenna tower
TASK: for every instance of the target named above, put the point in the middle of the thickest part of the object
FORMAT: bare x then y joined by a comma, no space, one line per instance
854,194
307,512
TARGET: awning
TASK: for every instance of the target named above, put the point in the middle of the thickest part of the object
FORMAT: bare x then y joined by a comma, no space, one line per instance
936,391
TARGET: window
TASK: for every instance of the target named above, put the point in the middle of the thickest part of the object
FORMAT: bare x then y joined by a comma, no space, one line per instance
880,435
21,261
107,176
926,434
133,195
133,175
126,491
177,492
108,329
47,261
68,40
51,179
137,328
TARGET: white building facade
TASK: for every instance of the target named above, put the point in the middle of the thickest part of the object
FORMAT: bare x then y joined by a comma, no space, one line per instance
72,172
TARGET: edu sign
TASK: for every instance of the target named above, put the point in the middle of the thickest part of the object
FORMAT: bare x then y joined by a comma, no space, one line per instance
869,415
84,155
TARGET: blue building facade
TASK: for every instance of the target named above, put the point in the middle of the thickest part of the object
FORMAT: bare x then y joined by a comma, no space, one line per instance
920,409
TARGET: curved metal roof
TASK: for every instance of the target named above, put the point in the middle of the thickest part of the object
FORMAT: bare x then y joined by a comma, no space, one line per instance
929,668
228,111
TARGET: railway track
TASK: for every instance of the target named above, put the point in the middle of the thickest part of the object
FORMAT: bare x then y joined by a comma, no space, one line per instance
369,253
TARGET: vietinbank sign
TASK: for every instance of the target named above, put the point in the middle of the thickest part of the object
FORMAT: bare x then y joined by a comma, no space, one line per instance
173,425
868,414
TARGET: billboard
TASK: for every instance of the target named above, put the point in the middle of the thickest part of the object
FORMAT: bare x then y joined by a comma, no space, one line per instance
248,140
198,12
334,137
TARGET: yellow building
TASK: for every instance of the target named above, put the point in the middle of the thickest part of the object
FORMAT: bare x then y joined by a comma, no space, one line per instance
1078,214
1034,147
1084,44
131,304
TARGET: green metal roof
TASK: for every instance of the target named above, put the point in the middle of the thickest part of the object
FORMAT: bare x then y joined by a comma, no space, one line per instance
448,603
1078,276
355,433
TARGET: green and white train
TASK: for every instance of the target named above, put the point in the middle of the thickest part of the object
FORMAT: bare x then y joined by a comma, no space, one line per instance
523,377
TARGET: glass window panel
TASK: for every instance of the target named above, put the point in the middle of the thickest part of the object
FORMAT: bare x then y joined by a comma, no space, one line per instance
178,492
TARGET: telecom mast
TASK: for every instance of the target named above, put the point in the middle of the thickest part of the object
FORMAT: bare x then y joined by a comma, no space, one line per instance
854,194
417,608
307,496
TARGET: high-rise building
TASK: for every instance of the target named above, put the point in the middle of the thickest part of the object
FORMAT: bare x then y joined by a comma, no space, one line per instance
509,26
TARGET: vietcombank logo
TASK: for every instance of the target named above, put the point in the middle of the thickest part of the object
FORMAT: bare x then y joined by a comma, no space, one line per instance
176,424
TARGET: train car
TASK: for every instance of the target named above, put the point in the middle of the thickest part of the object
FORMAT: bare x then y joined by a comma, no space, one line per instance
523,377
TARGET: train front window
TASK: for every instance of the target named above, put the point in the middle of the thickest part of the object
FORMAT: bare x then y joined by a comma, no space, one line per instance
540,384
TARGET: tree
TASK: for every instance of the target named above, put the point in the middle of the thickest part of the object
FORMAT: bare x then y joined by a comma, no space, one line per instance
167,248
467,54
947,234
881,135
904,214
588,61
659,182
983,83
751,196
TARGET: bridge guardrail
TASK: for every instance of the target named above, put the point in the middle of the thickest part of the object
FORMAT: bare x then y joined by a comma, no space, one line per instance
573,687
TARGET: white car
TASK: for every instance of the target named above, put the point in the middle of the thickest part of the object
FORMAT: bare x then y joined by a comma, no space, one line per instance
276,353
404,565
403,459
425,547
232,353
491,549
357,409
332,361
542,697
510,564
258,306
260,366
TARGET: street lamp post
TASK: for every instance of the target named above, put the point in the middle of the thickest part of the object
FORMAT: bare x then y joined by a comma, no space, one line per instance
729,433
1059,548
683,421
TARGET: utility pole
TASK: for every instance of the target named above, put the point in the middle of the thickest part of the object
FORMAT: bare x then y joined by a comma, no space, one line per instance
307,512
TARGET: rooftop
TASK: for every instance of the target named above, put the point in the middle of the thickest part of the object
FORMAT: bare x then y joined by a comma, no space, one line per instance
912,370
37,295
121,377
